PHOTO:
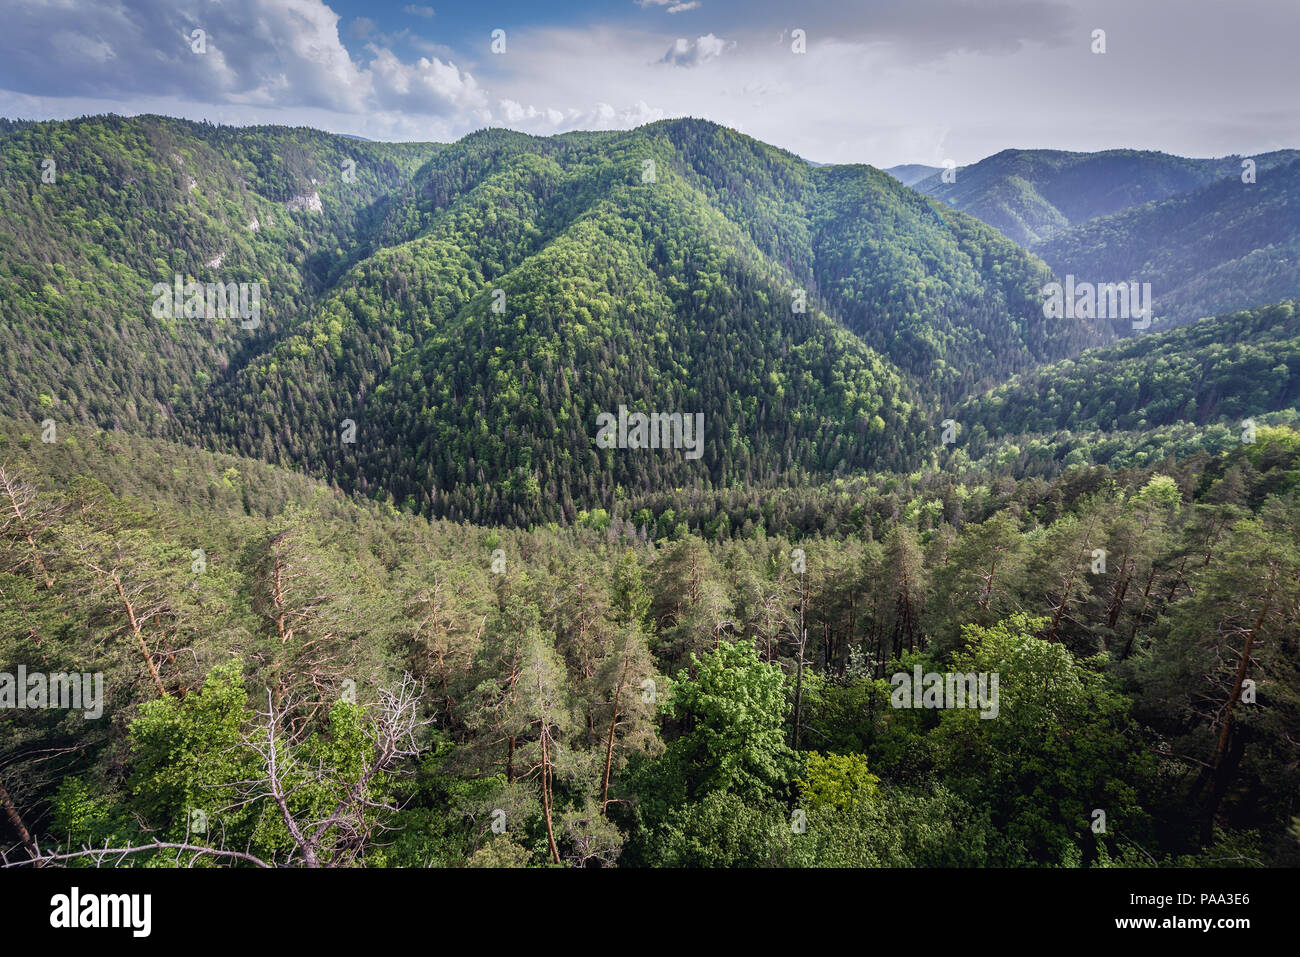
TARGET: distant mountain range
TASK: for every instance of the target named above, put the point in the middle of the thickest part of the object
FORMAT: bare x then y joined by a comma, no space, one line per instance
912,173
1207,241
471,309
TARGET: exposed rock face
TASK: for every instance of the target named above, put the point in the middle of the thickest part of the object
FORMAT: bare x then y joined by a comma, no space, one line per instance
308,201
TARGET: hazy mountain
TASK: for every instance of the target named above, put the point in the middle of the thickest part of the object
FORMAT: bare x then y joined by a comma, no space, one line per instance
1031,195
910,174
1206,241
1228,245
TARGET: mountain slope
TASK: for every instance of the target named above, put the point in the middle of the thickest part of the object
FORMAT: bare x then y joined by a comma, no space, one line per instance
909,174
1228,245
947,298
1221,369
660,269
133,202
1032,195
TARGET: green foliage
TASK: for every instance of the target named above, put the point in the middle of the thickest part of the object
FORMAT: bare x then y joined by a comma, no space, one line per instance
837,780
735,707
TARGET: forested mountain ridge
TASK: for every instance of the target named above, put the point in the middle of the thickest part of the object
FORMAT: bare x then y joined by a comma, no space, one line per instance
1181,393
95,212
1223,246
1209,235
602,304
814,315
954,329
1031,195
1230,366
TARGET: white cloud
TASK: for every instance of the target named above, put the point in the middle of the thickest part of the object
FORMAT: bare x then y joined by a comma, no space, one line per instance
601,116
416,10
689,53
284,53
426,86
911,82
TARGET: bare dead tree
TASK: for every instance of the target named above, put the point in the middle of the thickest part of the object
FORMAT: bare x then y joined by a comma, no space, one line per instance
306,627
547,702
341,836
136,602
16,822
25,515
113,856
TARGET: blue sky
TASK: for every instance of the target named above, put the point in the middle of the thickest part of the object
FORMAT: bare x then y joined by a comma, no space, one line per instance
880,81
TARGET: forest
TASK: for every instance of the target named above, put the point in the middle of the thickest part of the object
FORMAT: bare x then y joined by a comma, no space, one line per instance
297,678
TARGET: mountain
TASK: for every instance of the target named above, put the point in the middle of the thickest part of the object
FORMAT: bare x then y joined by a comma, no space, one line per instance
659,269
1031,195
95,212
1224,246
1206,241
350,583
499,294
909,174
1212,375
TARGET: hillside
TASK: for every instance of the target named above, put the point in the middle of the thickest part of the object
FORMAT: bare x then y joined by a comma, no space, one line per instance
1206,242
909,174
815,316
1032,195
135,202
1227,245
1188,388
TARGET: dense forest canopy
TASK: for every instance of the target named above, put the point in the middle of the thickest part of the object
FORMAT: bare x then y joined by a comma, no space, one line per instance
1209,235
606,698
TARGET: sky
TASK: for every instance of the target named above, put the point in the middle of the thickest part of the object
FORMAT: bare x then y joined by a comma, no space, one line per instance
883,82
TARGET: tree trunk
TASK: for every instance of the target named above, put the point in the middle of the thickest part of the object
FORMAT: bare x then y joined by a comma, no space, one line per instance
139,636
609,744
1137,620
1117,596
798,682
20,829
988,585
23,530
547,794
1222,769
